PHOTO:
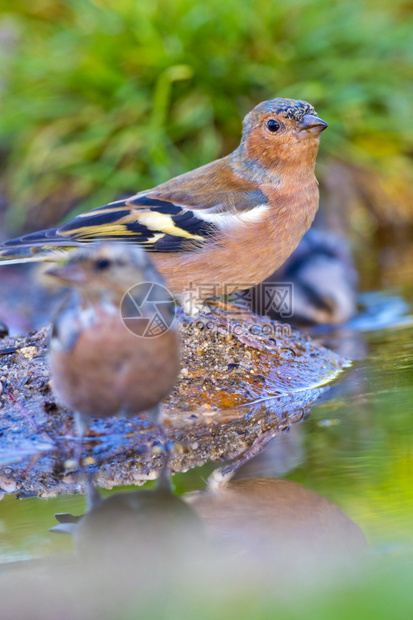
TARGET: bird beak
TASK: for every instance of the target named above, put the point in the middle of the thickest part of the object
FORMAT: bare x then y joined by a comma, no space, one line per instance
68,274
313,124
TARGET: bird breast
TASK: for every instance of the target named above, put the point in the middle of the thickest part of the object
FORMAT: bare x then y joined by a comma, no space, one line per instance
245,253
109,370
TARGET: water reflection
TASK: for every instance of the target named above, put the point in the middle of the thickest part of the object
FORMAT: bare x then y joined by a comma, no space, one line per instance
255,516
127,526
120,452
280,517
148,552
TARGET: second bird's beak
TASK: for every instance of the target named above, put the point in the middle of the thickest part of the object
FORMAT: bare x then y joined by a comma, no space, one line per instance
313,124
68,274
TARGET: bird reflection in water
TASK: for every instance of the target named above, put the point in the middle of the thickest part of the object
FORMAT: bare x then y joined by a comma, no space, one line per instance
266,515
152,554
273,519
127,526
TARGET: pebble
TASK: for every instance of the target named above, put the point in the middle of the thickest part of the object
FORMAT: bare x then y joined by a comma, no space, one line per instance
29,352
328,422
7,484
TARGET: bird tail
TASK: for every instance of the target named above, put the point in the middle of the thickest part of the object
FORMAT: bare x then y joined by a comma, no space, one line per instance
43,246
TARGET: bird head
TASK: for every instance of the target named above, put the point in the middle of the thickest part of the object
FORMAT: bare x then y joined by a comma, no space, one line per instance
103,269
281,130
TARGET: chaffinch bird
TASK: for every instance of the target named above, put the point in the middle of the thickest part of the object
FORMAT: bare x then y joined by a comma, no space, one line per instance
105,363
231,222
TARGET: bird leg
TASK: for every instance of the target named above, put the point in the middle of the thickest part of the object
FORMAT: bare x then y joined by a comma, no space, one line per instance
164,478
229,307
81,426
93,497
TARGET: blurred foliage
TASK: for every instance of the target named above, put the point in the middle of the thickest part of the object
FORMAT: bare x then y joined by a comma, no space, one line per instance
101,98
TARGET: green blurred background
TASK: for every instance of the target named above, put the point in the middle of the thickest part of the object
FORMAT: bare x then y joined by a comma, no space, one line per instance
102,98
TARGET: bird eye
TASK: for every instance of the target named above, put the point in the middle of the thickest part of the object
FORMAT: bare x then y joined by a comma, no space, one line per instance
102,264
273,125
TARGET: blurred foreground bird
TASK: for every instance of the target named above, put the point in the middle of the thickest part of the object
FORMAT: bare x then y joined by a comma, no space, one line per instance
222,227
105,363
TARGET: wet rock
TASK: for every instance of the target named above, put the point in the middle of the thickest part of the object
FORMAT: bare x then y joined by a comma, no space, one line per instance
231,398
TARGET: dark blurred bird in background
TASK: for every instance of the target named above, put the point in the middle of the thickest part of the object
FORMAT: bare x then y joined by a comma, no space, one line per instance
323,277
105,364
232,222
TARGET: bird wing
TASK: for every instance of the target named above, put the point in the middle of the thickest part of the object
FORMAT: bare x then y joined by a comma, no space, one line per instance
156,224
180,215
